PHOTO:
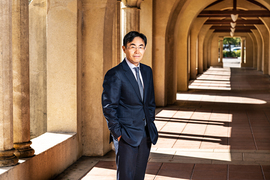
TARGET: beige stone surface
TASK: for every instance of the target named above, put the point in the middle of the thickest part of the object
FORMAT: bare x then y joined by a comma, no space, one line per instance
201,52
266,21
116,34
221,49
146,27
6,85
20,60
132,2
248,62
259,49
255,49
62,66
95,138
7,157
243,53
131,19
207,48
214,51
265,47
38,67
160,23
194,46
55,152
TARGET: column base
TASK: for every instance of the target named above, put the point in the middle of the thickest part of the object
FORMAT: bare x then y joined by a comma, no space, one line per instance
7,158
23,150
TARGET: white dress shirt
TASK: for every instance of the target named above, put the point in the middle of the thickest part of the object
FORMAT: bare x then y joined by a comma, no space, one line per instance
132,66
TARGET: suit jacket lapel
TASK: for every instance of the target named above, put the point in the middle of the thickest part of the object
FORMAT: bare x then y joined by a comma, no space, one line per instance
131,78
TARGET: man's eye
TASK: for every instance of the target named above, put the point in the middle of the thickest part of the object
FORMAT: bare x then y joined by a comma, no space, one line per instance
141,47
133,47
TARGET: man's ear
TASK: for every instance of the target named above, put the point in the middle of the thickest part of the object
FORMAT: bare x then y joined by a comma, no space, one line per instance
124,49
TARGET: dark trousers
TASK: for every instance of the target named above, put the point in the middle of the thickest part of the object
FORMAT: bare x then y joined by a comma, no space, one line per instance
132,161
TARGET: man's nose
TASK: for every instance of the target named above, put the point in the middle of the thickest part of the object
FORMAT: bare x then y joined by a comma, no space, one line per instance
136,49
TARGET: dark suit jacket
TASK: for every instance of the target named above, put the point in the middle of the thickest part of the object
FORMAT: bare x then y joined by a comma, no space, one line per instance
123,107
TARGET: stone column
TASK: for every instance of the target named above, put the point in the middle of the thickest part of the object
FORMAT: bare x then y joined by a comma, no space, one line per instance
265,46
207,49
254,45
221,49
202,36
7,157
259,57
266,21
194,44
243,46
131,19
21,101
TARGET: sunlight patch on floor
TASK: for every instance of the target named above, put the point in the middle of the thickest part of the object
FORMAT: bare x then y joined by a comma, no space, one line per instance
218,98
190,154
214,79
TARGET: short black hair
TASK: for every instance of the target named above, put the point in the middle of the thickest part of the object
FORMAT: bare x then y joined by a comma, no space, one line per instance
131,35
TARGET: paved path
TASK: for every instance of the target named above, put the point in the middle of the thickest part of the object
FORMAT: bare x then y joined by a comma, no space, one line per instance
219,129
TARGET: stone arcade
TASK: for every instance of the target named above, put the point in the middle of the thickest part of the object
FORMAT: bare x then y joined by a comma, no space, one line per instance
55,53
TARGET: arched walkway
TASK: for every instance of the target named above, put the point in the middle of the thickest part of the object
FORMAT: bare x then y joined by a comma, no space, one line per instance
218,130
191,24
210,114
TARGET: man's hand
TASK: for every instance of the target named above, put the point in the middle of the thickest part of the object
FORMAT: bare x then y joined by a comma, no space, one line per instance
119,138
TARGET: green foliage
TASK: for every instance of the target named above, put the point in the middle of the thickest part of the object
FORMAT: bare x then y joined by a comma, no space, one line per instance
231,53
231,41
238,53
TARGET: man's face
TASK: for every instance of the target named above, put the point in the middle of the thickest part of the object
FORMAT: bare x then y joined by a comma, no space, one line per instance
135,50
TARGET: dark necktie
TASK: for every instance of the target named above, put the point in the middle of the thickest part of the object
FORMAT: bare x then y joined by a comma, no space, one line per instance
137,69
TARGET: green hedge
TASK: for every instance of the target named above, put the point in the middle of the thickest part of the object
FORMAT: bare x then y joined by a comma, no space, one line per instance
232,53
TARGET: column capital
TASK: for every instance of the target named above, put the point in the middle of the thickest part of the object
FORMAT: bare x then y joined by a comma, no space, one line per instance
131,20
132,3
131,7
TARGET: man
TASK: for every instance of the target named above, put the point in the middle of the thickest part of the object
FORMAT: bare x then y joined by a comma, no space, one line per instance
129,107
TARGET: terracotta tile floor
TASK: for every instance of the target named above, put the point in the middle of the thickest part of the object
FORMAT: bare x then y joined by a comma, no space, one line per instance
219,129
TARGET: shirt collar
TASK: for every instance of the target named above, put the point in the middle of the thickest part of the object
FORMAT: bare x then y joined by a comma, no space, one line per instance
131,66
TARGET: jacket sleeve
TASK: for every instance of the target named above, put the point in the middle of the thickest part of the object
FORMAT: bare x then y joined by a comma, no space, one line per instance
110,102
152,104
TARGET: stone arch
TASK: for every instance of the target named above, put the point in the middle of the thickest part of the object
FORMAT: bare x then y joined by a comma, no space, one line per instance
266,21
180,20
265,3
176,45
171,76
184,21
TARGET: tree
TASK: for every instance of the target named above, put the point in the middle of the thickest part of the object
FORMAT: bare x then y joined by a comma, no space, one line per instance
232,41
